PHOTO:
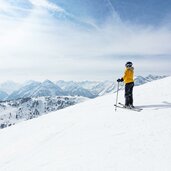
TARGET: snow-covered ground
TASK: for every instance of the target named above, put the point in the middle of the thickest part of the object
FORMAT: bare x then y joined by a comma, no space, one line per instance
91,136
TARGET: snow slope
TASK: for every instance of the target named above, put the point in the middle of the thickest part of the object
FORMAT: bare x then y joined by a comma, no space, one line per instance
91,136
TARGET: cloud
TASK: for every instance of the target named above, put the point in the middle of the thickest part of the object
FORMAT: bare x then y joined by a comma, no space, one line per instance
4,6
39,45
46,4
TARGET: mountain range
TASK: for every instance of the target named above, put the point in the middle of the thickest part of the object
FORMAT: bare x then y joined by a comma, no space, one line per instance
89,89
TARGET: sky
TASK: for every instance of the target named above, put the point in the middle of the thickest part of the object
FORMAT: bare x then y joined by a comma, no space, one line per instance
83,39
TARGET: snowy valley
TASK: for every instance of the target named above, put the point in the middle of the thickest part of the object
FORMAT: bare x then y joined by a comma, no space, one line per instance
14,111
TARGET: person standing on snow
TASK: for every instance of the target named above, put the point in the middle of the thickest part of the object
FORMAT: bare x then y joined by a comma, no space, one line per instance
128,79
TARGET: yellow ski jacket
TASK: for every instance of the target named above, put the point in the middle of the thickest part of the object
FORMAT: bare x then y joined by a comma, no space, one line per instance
128,75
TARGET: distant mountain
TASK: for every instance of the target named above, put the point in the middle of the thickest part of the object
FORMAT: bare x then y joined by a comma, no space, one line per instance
84,84
99,88
9,86
154,77
104,88
139,80
37,89
3,95
48,88
26,91
90,89
89,84
74,89
64,84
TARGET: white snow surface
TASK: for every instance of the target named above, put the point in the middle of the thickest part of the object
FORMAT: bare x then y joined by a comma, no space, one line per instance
91,136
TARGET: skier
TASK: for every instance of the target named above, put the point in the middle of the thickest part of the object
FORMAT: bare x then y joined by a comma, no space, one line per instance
129,84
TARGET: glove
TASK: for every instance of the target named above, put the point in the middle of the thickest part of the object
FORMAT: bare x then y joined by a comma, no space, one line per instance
118,80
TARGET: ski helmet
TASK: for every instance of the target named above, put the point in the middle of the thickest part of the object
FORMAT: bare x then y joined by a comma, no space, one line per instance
129,64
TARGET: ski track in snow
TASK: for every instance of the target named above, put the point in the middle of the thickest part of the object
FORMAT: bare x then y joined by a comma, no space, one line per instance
91,136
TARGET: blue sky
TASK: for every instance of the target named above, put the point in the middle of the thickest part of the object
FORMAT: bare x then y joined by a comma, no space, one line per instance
149,12
83,39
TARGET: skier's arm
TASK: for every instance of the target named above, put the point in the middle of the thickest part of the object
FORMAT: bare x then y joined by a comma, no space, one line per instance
125,75
123,78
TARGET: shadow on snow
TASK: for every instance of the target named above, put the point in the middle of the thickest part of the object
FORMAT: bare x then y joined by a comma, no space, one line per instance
164,105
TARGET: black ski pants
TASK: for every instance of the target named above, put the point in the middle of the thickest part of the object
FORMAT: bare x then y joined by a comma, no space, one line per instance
129,93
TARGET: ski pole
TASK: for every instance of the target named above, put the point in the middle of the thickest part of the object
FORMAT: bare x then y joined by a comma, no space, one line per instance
117,96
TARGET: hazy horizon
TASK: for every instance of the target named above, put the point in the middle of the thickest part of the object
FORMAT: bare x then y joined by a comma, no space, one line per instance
69,80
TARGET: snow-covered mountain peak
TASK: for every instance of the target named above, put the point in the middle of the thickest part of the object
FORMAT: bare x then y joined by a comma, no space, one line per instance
47,82
31,82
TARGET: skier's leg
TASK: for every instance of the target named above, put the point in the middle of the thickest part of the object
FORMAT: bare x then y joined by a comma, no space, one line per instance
131,100
131,94
127,95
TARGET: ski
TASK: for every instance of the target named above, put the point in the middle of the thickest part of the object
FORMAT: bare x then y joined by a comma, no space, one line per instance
132,109
127,108
135,108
